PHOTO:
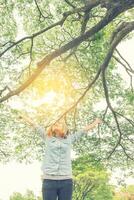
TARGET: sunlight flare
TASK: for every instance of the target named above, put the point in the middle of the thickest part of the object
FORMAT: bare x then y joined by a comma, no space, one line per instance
48,98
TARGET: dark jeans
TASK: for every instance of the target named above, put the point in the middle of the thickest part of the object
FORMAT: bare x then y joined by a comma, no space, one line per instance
57,189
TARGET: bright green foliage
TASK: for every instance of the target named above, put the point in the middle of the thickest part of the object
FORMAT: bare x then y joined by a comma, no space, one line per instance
90,180
28,196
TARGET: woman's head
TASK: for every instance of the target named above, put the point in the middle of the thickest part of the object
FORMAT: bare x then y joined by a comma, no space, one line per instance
58,129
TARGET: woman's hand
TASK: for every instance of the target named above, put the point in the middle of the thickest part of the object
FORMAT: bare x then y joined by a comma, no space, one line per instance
93,124
26,119
98,121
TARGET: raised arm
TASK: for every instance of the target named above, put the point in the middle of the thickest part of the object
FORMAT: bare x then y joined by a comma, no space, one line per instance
92,125
78,134
30,122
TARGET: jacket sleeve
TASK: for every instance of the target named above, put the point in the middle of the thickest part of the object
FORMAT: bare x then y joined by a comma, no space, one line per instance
77,135
41,131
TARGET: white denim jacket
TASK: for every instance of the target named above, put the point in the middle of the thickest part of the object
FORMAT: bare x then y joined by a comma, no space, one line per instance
57,159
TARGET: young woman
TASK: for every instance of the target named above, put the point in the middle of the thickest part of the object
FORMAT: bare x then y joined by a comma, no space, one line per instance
56,167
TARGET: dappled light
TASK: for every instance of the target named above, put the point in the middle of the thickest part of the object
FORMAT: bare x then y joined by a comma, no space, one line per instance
67,83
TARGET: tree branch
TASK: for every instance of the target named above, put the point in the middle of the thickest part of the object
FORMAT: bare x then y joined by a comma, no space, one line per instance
123,31
45,61
129,66
40,13
128,71
110,15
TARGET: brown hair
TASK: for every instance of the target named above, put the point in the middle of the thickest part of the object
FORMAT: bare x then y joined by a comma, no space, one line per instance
63,131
